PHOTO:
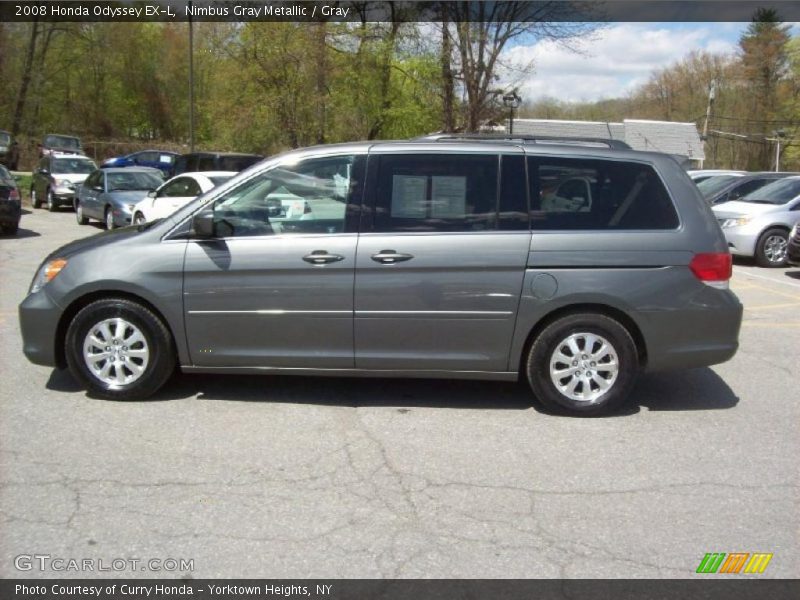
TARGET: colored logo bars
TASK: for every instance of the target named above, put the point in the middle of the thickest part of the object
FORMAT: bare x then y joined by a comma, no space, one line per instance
716,562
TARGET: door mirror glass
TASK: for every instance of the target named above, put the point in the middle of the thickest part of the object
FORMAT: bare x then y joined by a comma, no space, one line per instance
151,194
203,224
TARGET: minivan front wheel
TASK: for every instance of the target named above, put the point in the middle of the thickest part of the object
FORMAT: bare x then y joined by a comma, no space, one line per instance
119,349
771,248
583,363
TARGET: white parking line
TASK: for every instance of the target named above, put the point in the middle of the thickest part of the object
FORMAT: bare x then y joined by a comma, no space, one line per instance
749,274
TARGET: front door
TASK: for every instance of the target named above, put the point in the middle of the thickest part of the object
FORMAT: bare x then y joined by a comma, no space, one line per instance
275,287
439,272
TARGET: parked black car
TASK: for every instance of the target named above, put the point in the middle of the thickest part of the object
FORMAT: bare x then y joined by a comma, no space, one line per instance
65,144
10,209
57,177
793,246
9,150
214,161
726,188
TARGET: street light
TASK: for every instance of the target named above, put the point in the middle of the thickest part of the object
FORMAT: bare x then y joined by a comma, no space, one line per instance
779,134
511,101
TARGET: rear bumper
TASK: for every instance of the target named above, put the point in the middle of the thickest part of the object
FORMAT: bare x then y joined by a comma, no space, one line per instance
703,334
10,212
38,320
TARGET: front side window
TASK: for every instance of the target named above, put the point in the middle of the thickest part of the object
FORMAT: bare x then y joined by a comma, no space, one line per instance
183,187
575,193
311,196
436,192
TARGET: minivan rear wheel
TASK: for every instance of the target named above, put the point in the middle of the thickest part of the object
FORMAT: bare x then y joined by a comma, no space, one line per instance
119,349
771,248
583,363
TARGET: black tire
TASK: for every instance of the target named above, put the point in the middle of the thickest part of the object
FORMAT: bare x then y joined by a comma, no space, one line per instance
52,204
35,202
161,361
82,220
769,252
138,219
10,228
544,347
108,219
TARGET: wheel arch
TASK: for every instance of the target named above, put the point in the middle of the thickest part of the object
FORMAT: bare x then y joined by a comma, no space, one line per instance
78,303
587,307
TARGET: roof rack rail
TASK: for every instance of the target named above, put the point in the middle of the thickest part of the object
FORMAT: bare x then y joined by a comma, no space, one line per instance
523,137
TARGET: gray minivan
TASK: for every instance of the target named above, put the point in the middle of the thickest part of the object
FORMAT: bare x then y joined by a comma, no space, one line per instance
573,266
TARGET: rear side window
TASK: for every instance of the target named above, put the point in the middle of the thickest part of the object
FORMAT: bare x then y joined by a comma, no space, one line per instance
206,163
575,194
236,163
436,193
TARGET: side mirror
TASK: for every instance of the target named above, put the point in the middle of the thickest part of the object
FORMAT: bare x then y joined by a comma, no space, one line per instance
203,224
151,194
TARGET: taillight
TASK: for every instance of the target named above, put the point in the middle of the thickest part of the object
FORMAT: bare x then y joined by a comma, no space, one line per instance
713,268
13,195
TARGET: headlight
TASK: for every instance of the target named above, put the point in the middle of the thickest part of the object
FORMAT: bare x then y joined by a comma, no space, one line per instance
738,222
47,272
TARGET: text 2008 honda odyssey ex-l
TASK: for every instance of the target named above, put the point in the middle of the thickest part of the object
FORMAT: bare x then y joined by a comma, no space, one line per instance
573,265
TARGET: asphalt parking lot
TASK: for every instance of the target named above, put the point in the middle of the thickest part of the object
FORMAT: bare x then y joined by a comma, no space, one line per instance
306,477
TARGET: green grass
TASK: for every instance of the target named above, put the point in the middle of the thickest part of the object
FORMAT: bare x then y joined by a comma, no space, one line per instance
24,184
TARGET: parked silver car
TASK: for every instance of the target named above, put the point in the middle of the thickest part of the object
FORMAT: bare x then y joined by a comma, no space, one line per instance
758,225
437,258
110,195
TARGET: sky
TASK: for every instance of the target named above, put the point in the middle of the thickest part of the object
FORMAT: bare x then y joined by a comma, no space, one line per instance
620,57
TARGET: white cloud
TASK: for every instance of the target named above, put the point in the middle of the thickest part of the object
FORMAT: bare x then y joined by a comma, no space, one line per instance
621,57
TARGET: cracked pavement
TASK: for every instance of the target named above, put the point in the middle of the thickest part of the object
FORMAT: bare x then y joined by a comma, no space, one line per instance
306,477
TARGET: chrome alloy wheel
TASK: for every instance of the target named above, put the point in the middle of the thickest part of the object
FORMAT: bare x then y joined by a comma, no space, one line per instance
775,249
115,352
584,367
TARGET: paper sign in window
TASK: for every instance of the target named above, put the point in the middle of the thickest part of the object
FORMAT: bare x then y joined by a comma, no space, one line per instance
449,197
408,196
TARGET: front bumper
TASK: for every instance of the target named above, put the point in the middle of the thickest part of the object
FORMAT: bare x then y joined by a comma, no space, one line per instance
793,253
38,320
741,240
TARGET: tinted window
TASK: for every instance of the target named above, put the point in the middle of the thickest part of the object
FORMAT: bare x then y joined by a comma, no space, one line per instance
513,193
777,192
597,194
436,193
205,163
747,187
236,163
309,197
714,185
61,141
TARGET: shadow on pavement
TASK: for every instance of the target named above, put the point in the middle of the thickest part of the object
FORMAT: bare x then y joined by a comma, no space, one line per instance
792,274
696,389
21,233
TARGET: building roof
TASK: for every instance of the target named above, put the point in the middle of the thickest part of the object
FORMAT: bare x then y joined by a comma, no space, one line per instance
669,137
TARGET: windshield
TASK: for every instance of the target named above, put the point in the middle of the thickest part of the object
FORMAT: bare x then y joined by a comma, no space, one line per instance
62,141
5,139
132,180
73,165
777,192
712,185
220,179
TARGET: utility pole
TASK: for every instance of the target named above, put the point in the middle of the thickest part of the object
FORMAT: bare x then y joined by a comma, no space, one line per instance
191,80
712,93
779,135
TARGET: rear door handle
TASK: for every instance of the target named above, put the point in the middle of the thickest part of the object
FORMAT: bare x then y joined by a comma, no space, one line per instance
322,257
389,257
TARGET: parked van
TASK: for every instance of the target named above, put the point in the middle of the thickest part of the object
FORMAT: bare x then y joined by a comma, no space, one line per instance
213,161
440,258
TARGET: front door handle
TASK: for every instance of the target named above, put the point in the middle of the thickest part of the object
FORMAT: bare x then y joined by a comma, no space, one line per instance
322,257
389,257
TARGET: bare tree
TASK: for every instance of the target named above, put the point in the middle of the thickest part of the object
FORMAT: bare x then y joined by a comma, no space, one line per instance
483,30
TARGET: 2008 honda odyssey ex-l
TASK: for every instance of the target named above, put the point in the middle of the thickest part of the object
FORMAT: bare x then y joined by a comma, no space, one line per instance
575,266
